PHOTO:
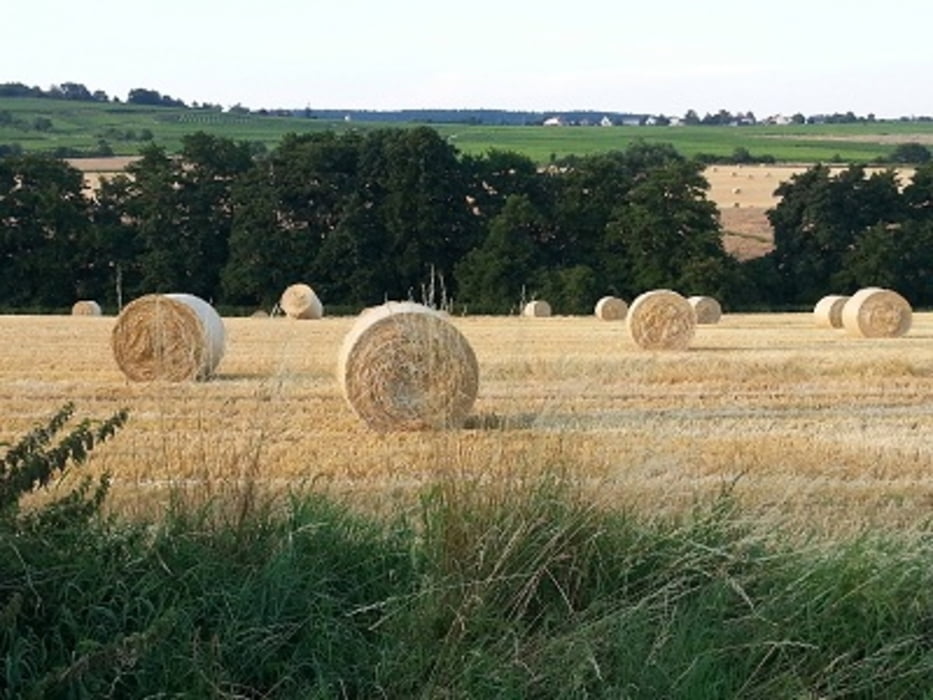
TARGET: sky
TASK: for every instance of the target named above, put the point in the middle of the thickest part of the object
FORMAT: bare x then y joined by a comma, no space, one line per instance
649,57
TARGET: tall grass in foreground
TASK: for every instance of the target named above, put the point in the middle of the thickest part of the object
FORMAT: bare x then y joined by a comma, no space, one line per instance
486,591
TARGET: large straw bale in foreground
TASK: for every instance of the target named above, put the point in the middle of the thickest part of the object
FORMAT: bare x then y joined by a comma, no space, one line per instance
86,307
611,309
828,311
876,313
300,301
707,309
402,366
175,337
537,309
661,320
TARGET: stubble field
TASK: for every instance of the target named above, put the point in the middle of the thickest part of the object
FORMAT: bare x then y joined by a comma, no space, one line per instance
744,193
808,427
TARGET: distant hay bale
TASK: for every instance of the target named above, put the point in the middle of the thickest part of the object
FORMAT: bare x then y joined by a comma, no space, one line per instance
537,309
736,190
611,309
828,311
661,320
876,313
299,301
175,337
403,366
86,307
707,309
259,313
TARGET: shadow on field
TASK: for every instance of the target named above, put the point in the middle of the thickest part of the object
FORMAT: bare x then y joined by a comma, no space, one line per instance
495,421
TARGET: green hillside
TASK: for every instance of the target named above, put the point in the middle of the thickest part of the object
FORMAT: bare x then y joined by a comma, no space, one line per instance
71,128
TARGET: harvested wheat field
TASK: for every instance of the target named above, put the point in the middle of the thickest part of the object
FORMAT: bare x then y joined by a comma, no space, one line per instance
743,195
809,426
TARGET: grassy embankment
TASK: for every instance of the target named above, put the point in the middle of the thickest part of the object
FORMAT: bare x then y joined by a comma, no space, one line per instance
522,590
81,126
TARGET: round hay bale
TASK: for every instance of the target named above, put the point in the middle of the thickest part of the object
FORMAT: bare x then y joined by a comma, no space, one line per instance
259,313
86,307
736,190
707,309
402,366
537,309
661,320
174,337
876,313
828,311
299,301
611,309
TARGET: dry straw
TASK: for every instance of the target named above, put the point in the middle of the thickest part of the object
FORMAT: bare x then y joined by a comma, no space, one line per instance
300,301
661,320
537,309
707,309
876,313
403,366
175,337
86,308
611,309
828,311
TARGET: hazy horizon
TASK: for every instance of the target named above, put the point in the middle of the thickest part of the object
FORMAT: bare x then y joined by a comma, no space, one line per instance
522,56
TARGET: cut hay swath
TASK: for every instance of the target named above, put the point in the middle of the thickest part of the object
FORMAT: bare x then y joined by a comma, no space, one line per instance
707,309
661,320
611,309
876,313
537,309
828,311
403,366
300,301
173,337
86,307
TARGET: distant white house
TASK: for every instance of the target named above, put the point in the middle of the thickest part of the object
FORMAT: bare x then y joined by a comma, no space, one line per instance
605,121
553,121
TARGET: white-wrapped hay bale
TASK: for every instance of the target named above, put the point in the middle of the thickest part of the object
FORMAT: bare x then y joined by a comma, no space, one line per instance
86,307
876,313
707,309
661,320
611,309
537,309
402,366
300,301
828,311
174,337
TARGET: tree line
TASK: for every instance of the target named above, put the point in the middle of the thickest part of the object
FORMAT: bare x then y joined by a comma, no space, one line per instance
393,213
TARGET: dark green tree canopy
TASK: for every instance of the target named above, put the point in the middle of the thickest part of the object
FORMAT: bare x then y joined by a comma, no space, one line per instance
390,213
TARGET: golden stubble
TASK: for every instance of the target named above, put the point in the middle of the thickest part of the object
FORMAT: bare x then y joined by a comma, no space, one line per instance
805,426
